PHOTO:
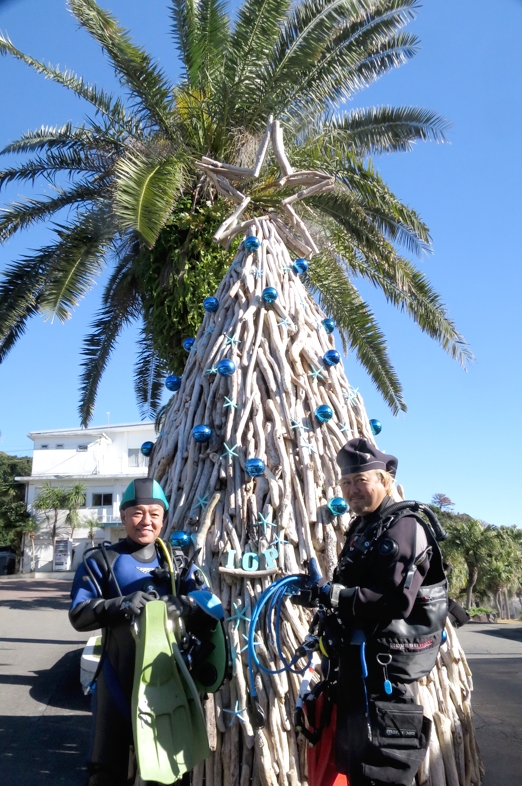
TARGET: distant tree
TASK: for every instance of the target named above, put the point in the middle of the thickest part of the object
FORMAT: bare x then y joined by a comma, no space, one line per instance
501,573
13,511
473,542
74,500
50,501
92,525
442,502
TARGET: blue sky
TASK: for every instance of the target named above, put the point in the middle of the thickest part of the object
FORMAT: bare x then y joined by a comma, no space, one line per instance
462,432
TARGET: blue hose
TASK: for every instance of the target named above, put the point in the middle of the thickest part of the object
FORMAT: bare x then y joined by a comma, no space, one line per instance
274,597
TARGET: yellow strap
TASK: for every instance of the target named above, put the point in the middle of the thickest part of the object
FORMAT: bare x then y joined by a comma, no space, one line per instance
168,558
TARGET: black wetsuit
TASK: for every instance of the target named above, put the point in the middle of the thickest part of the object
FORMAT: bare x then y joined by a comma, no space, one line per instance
378,590
132,565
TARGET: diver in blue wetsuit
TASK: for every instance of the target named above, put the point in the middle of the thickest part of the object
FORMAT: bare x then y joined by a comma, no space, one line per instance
109,590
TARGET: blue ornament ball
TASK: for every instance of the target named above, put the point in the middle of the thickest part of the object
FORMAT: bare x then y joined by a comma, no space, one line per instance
211,304
202,433
269,294
251,243
226,367
324,413
146,448
332,357
337,506
180,540
255,467
188,344
173,383
300,266
376,426
329,325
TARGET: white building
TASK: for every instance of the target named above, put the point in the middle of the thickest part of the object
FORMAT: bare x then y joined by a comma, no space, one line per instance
104,460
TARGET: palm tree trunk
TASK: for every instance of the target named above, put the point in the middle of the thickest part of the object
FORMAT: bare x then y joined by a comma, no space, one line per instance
472,580
506,600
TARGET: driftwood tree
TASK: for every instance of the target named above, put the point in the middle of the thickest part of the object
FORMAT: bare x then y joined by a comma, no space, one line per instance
264,407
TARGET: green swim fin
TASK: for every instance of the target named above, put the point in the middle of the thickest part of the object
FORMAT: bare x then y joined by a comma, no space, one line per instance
167,718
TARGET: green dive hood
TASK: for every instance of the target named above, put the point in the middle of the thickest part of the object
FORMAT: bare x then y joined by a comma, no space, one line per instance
144,491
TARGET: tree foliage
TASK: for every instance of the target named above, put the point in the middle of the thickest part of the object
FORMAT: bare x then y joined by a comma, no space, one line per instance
13,512
486,561
127,194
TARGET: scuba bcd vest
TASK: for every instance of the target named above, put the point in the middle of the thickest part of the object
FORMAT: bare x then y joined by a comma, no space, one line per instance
408,646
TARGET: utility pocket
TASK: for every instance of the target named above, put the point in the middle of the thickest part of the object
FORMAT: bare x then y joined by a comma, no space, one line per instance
397,725
400,738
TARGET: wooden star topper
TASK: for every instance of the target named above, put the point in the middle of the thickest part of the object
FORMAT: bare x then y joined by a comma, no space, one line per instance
289,225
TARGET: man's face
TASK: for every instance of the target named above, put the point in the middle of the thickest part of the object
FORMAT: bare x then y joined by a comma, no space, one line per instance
363,491
143,523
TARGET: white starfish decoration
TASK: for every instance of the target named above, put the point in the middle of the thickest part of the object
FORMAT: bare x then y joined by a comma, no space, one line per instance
289,225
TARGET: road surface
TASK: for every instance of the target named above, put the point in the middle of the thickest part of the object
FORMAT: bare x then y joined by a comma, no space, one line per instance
45,719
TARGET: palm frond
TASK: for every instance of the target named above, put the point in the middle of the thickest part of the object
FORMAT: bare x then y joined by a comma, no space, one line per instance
342,72
145,193
185,31
134,67
149,376
253,37
79,258
21,215
382,129
120,308
364,225
21,285
357,326
102,101
70,162
213,27
407,289
317,33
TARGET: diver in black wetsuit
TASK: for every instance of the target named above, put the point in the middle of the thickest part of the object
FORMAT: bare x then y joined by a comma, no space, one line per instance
383,624
127,575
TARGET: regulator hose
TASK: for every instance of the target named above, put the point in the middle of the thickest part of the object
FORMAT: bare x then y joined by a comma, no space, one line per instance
269,605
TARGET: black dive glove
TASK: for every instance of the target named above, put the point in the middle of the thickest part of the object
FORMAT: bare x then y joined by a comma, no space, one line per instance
313,597
195,618
129,606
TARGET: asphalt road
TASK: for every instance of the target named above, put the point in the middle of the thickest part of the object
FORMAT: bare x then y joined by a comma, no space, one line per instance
494,653
45,719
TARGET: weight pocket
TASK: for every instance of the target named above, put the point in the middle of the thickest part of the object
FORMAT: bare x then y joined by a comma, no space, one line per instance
396,725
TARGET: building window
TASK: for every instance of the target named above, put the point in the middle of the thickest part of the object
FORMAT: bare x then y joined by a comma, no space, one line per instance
136,458
82,448
44,447
60,446
101,500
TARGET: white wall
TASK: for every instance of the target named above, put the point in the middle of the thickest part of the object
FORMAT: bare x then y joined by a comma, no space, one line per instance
104,468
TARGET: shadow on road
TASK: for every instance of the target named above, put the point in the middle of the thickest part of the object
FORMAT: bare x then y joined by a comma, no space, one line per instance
504,632
30,594
44,751
60,686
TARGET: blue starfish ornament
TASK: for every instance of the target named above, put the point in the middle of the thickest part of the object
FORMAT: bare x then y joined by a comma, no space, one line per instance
298,425
343,427
263,522
231,340
285,322
202,502
212,370
230,403
238,616
316,373
236,713
229,452
308,446
279,540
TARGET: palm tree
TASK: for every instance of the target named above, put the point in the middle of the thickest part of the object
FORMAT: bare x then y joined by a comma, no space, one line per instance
137,203
472,541
74,499
502,572
50,501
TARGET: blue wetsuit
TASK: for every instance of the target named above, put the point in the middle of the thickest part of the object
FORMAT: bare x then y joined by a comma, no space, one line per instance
132,566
